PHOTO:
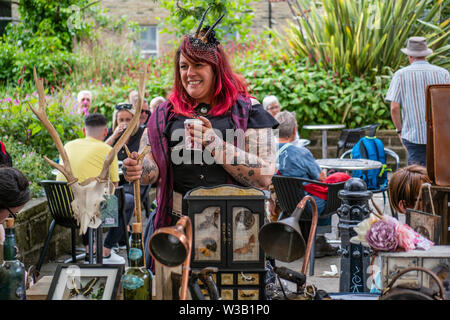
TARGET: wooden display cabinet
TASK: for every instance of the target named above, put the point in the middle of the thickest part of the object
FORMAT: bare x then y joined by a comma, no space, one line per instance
225,225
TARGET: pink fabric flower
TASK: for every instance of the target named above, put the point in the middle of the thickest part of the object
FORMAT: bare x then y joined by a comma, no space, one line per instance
406,237
382,236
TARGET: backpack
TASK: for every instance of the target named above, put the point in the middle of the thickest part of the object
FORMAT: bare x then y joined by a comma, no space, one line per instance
371,148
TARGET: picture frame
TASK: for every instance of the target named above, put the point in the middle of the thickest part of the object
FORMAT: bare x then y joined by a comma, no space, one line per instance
85,282
426,224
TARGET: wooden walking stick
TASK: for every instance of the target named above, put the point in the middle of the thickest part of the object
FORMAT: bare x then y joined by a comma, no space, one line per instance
137,193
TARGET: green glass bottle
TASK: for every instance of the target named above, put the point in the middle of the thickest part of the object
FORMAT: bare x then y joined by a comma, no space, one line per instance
137,280
12,271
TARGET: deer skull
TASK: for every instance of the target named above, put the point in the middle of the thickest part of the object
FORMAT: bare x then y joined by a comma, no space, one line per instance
90,193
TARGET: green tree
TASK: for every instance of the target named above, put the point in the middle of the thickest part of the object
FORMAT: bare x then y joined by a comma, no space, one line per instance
185,16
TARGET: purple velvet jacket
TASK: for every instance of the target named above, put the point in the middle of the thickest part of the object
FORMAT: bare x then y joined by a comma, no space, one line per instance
240,112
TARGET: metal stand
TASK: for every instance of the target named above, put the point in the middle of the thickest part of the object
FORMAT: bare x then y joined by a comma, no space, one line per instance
355,259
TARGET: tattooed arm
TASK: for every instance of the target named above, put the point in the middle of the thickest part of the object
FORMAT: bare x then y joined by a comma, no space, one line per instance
147,172
251,163
253,166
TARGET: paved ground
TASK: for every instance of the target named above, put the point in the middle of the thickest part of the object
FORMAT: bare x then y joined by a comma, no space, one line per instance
329,283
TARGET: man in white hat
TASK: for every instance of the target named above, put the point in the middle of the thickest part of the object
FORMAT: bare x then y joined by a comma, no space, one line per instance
407,96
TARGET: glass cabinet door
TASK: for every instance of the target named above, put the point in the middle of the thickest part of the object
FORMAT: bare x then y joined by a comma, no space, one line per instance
244,233
207,235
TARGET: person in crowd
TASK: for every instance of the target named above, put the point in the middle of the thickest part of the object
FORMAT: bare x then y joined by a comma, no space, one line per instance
87,156
155,102
299,162
404,187
122,115
14,194
84,100
406,94
205,88
271,105
145,111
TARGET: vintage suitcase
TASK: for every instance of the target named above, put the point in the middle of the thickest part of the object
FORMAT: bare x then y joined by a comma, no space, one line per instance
238,284
437,259
438,133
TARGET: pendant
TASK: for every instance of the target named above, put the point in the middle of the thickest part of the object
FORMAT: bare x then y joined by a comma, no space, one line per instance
202,109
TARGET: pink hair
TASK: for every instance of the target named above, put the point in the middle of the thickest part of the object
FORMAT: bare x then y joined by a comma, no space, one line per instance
227,83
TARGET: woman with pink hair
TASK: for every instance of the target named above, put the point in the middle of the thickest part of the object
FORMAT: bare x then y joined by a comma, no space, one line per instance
233,135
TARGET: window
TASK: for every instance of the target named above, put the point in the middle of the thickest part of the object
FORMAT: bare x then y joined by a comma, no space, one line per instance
5,15
149,40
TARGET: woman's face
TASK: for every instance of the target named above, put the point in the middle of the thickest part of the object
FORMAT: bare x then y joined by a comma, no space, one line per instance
197,79
124,117
273,109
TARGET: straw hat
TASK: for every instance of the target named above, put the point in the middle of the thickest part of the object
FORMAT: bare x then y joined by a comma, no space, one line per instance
417,47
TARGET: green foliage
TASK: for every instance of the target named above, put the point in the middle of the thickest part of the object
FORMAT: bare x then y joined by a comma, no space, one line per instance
317,95
364,37
29,162
45,35
185,16
17,121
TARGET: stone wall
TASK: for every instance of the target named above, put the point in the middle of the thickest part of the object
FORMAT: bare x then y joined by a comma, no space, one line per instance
31,231
389,138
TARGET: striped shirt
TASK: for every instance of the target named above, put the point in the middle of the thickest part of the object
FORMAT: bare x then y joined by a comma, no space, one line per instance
408,89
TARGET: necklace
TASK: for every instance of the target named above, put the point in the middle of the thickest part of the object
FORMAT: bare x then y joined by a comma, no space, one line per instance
202,109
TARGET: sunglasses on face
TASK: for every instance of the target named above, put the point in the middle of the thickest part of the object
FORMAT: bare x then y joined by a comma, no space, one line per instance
127,106
146,112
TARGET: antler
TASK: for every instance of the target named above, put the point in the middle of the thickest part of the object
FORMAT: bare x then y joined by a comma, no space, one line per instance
133,123
201,22
65,169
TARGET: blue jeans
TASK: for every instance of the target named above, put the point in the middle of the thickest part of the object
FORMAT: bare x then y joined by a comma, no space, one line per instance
321,205
417,153
115,234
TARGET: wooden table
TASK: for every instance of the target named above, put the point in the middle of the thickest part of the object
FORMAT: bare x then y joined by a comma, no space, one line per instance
324,128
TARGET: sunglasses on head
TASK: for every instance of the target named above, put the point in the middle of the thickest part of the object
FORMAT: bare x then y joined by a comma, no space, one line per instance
122,106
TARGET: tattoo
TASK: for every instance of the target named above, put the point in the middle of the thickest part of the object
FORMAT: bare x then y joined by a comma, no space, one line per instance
245,180
147,167
250,173
144,142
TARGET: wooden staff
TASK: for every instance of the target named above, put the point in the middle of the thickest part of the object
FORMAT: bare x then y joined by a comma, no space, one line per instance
137,193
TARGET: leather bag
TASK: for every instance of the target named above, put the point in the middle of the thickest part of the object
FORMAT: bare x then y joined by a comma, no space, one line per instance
402,292
438,133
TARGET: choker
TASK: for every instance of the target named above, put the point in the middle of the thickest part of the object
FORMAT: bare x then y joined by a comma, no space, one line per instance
202,109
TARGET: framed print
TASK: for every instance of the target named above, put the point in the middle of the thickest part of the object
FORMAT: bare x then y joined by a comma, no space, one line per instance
428,225
85,282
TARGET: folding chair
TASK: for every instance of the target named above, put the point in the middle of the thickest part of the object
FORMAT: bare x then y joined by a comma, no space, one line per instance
59,196
349,137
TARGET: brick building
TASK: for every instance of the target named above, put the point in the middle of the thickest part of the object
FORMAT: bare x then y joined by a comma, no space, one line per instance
145,13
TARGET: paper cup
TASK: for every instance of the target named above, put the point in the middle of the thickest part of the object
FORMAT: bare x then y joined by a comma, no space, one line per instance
190,143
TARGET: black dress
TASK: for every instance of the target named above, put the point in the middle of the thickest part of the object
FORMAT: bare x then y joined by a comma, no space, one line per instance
190,176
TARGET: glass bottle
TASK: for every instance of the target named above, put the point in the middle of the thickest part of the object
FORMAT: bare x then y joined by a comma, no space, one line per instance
137,280
12,271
